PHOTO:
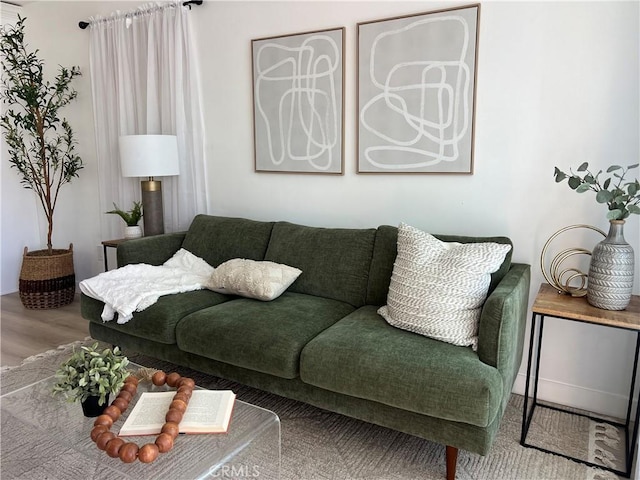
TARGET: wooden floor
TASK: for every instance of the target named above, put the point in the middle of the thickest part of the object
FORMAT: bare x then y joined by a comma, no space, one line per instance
25,332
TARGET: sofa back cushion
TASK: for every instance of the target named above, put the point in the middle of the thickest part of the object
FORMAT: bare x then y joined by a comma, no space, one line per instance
218,239
385,252
335,262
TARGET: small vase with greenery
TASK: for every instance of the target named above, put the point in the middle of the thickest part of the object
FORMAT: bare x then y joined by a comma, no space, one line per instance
132,217
611,270
90,372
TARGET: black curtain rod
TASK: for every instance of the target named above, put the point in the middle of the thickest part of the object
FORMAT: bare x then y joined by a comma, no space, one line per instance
84,25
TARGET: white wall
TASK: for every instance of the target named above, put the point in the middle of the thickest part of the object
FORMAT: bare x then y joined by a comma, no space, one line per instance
557,85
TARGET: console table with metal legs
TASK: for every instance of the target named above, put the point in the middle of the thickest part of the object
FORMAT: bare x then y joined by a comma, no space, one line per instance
553,304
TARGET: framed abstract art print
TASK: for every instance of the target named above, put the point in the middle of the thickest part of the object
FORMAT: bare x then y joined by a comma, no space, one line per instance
416,92
298,102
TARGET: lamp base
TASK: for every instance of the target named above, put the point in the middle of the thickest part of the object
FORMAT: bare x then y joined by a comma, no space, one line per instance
153,215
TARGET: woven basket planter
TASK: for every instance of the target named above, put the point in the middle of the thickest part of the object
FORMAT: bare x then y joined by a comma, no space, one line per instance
47,281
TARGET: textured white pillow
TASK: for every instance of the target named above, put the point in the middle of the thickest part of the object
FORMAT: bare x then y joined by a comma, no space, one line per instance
437,288
248,278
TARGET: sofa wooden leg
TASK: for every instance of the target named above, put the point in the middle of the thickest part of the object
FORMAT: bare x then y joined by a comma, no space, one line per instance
452,460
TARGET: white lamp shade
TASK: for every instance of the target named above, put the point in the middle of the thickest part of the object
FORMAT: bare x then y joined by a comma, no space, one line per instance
149,155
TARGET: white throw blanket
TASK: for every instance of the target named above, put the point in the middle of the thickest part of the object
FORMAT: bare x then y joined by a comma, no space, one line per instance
138,286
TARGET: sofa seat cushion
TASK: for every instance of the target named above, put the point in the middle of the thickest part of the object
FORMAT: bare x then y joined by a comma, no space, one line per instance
158,322
263,336
365,357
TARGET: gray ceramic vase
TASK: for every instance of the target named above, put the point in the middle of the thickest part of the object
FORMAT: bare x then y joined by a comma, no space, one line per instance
611,271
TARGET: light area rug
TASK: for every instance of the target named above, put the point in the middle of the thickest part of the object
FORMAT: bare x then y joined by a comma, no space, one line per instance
317,444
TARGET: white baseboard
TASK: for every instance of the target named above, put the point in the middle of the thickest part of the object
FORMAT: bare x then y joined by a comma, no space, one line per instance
599,402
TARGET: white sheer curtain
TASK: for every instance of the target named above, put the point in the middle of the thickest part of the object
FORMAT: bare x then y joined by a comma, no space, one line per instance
145,80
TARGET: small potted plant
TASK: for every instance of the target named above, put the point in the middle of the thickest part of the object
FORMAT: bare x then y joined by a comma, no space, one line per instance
131,218
610,279
90,376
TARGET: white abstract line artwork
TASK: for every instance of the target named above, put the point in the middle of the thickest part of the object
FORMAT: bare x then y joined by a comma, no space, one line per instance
416,87
298,102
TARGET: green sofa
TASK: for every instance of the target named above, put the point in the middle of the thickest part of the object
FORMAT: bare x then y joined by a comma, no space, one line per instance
322,342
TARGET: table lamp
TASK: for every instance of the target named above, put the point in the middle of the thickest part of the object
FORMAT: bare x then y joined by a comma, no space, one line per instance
150,156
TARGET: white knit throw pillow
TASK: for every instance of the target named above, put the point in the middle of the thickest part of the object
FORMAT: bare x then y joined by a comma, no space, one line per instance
437,288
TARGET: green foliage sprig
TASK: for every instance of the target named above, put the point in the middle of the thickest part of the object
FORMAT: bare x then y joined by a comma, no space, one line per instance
41,145
89,372
622,198
132,217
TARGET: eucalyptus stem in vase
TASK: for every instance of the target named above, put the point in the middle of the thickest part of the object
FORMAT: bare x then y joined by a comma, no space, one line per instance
623,199
610,279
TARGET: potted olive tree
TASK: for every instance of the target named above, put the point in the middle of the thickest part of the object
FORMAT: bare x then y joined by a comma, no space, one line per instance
42,150
90,376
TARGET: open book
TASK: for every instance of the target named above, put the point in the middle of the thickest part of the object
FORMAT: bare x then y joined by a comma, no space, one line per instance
209,411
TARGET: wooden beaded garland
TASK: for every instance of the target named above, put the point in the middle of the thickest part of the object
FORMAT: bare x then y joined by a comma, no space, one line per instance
128,452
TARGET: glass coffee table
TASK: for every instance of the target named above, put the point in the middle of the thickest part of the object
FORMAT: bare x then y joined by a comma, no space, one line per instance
46,437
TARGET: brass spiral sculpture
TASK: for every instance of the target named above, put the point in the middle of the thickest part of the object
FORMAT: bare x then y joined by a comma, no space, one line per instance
561,279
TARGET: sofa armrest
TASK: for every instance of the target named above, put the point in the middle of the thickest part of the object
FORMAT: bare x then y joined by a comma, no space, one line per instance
502,323
154,250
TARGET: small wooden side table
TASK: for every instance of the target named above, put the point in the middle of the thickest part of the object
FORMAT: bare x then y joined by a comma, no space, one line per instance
550,303
110,244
